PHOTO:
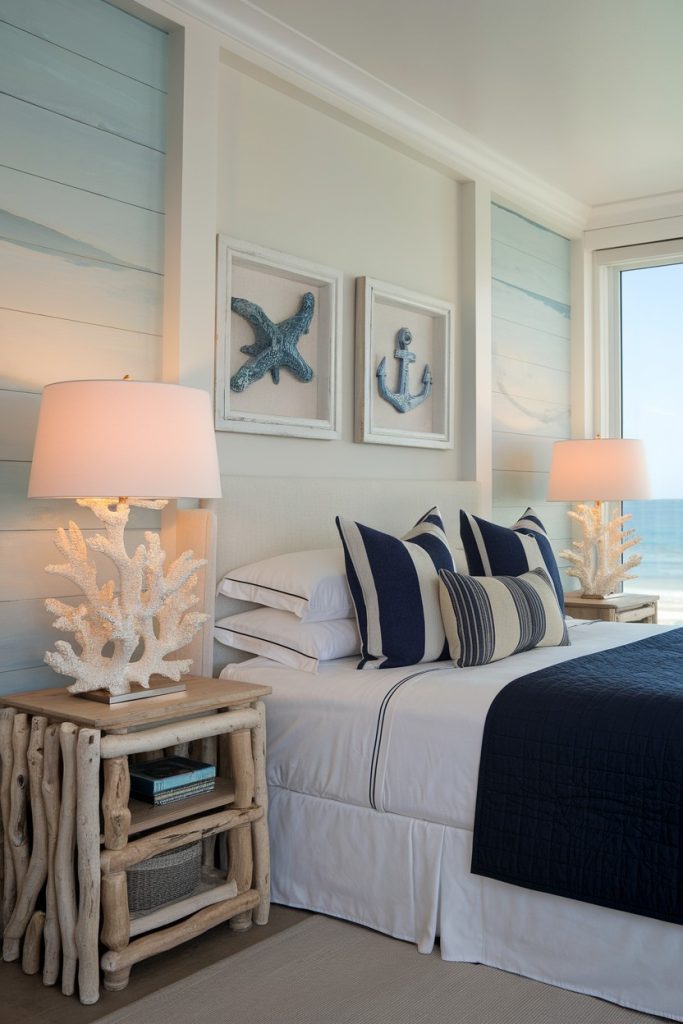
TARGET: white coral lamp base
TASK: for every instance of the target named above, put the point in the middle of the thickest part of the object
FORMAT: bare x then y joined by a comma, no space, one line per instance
125,629
597,560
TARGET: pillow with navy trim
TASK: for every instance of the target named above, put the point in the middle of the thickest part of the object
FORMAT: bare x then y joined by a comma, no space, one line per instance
311,584
283,637
487,618
394,584
493,550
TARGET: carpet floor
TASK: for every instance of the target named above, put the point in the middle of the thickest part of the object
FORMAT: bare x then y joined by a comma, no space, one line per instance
324,971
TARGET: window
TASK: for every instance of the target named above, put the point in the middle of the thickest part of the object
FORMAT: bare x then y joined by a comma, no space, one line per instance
643,398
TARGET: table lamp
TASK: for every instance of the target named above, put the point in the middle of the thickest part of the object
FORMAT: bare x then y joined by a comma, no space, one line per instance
600,469
112,445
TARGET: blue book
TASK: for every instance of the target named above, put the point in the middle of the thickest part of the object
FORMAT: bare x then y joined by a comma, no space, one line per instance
168,773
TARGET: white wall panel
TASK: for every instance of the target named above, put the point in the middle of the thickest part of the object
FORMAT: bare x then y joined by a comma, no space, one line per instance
39,349
82,123
56,148
96,30
39,280
527,236
23,680
26,632
522,452
37,212
526,379
530,273
531,366
65,83
541,347
530,416
18,422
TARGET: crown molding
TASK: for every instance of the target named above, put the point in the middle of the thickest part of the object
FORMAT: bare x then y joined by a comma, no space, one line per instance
273,46
665,206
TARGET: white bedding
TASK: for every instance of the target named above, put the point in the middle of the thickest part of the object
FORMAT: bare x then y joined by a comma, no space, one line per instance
404,740
403,869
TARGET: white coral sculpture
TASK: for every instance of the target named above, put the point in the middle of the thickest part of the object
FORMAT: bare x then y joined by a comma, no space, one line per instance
597,559
148,614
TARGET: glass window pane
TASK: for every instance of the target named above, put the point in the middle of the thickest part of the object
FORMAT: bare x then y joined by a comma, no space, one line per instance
652,409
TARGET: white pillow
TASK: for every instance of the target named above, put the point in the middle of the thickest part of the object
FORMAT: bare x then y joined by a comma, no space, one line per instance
284,638
311,584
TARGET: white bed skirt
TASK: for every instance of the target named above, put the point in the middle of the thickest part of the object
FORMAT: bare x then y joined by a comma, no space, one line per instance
411,879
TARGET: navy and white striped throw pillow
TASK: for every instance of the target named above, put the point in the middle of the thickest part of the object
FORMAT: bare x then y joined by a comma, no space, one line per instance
493,550
487,618
394,584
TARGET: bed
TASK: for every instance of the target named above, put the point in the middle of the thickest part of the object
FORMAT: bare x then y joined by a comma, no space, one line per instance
373,775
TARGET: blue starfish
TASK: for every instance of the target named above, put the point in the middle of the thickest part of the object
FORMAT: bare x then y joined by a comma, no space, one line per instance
274,345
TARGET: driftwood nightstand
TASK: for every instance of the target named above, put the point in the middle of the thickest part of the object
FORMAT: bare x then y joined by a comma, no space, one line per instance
620,608
51,747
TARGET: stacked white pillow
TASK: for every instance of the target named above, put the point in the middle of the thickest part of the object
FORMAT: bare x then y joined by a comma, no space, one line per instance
308,610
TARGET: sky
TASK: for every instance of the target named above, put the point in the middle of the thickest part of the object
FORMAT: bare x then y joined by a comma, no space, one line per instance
652,371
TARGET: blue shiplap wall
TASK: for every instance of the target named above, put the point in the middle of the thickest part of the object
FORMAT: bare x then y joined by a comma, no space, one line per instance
82,167
531,366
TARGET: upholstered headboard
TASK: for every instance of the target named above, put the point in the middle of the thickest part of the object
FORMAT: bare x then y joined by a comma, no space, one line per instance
258,517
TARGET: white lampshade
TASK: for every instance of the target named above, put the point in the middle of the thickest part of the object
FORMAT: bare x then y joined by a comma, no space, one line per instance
120,438
600,469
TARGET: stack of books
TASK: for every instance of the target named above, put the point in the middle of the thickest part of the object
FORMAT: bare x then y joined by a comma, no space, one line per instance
170,779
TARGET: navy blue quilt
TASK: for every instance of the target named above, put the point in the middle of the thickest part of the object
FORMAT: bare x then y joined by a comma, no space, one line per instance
581,780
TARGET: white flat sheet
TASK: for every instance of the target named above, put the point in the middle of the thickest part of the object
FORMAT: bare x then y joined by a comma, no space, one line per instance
407,740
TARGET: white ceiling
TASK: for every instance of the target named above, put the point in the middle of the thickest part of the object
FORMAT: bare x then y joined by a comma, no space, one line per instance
585,94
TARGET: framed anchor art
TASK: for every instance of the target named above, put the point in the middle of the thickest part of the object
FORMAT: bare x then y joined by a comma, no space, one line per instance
404,367
278,343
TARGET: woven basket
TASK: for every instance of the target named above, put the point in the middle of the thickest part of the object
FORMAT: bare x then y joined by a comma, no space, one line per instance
166,877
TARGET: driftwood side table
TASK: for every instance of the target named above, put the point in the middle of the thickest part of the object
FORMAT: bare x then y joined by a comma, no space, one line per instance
619,608
52,745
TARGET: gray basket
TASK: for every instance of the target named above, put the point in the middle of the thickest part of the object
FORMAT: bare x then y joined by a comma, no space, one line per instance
166,877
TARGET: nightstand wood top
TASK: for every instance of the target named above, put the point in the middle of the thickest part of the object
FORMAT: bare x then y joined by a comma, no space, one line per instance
200,696
620,601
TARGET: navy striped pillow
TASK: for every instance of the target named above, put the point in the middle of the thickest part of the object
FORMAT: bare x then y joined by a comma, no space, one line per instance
493,550
487,618
394,584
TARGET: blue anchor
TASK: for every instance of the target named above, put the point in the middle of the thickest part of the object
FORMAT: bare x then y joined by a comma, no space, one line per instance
402,399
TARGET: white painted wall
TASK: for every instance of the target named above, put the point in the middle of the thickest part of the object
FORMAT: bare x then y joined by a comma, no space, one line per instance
82,169
294,178
531,377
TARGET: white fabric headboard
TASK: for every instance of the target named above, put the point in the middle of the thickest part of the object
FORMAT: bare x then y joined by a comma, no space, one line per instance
258,517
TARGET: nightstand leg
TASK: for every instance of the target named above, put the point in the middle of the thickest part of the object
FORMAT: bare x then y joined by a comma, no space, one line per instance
260,827
64,857
240,858
116,981
9,885
88,840
52,794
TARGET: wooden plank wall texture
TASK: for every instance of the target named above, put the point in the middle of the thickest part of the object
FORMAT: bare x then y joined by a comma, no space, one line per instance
531,366
82,165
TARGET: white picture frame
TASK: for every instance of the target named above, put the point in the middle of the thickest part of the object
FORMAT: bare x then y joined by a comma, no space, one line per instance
382,310
277,282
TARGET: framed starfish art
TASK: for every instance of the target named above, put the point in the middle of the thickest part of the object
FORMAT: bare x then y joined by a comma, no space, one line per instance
278,343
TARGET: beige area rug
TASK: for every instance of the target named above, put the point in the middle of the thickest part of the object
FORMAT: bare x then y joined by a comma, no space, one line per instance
325,971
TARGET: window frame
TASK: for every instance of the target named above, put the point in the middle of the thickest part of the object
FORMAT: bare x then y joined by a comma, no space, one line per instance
608,265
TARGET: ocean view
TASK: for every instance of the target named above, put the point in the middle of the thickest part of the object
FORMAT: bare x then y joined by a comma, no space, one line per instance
659,524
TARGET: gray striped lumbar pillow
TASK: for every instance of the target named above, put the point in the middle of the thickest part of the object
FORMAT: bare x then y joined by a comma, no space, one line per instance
487,618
